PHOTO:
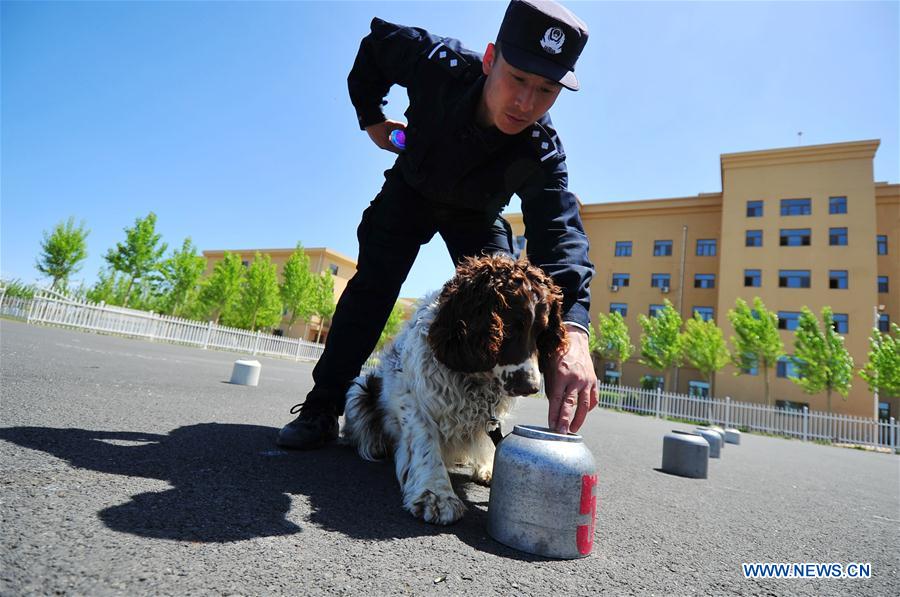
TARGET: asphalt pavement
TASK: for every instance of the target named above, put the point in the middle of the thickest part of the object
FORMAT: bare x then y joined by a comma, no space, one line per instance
130,467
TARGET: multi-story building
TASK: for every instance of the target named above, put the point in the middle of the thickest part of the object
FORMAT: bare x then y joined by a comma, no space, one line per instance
342,268
801,226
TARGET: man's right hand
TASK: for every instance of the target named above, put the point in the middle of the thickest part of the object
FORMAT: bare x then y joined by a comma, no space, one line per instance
380,134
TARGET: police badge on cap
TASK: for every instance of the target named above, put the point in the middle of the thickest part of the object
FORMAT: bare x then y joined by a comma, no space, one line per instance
543,38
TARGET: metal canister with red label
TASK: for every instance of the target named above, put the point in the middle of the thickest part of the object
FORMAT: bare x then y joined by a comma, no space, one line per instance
544,493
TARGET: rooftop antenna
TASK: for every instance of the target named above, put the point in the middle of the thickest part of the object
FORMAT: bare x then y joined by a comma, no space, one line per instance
799,137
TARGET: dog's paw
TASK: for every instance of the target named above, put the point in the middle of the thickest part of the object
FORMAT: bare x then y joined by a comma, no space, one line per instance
482,475
437,509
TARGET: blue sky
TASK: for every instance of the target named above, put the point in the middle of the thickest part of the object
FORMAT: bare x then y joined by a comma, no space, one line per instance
231,121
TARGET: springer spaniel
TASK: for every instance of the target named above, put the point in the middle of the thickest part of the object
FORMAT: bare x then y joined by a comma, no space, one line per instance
453,371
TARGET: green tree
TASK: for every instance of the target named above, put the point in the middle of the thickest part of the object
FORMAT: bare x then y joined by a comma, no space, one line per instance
821,361
703,346
139,256
612,341
395,320
297,287
660,339
882,371
756,341
62,250
181,275
260,304
220,292
323,299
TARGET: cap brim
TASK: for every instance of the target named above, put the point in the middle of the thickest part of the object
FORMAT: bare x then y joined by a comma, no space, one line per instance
539,65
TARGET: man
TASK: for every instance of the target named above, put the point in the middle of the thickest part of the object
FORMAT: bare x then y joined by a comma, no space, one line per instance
478,132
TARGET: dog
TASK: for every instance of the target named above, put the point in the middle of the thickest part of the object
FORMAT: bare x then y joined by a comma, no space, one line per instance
452,372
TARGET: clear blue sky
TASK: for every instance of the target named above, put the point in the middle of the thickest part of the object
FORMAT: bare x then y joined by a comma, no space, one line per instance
231,121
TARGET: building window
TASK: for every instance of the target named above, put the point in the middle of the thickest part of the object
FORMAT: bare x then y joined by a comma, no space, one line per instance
519,245
837,205
753,238
706,247
620,308
790,406
841,323
662,248
655,309
837,279
623,248
704,280
788,320
660,281
698,389
881,243
705,313
793,278
796,207
752,278
884,322
333,268
621,280
882,284
752,370
754,209
837,237
884,411
786,367
795,237
611,378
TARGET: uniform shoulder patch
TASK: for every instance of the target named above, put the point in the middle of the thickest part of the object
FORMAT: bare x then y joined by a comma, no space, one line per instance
449,59
541,141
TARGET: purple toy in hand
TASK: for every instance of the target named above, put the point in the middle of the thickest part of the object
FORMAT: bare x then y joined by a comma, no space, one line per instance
398,139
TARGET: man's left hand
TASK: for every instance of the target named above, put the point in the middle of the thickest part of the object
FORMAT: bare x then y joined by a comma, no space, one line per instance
571,385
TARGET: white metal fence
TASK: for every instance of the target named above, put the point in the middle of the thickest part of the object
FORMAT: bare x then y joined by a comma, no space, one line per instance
803,424
50,308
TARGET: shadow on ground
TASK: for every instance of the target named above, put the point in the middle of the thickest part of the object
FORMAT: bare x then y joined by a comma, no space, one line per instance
230,483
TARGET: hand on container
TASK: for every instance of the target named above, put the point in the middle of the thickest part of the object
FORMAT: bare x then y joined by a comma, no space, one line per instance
381,134
571,385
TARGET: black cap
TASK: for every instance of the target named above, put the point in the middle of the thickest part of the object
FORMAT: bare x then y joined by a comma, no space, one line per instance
543,38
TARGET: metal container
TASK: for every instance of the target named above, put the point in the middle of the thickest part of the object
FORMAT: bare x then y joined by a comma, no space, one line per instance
543,493
686,453
714,439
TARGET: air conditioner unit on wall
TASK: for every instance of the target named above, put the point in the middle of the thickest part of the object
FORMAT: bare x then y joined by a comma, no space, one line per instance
665,289
614,288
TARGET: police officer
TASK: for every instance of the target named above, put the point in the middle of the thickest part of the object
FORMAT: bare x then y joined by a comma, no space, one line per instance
478,132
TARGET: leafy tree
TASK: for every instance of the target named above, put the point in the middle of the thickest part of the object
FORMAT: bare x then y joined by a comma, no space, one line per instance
703,346
111,288
260,304
323,299
820,358
612,342
395,320
297,287
220,292
61,252
15,288
882,371
660,339
181,274
756,340
140,255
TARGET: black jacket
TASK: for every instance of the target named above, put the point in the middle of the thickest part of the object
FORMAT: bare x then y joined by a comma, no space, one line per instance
449,159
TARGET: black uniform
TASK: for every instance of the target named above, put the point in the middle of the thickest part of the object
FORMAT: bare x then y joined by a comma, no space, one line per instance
454,178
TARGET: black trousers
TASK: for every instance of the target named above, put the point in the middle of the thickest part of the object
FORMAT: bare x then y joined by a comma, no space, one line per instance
393,228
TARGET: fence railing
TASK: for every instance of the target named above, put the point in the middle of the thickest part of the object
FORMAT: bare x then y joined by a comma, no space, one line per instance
50,308
803,424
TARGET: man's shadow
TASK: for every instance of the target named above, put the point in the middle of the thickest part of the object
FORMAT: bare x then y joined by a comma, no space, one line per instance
230,483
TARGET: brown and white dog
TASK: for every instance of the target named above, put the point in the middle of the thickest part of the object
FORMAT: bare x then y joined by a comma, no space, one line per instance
460,361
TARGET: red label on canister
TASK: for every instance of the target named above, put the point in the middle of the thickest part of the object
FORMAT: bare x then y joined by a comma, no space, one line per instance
585,533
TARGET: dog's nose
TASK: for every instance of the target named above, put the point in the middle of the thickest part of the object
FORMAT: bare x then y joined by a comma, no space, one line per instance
521,383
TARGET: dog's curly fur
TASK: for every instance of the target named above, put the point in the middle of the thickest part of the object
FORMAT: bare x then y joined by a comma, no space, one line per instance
463,356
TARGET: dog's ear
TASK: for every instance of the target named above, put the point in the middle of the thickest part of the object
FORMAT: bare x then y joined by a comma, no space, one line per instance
553,341
467,331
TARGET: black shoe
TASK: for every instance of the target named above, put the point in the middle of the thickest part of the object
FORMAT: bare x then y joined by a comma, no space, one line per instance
312,429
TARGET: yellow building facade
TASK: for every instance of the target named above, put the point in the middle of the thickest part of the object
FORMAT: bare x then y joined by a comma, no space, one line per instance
802,226
321,259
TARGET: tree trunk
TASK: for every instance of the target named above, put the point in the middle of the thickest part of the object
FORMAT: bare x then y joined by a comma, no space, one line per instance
766,380
127,291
